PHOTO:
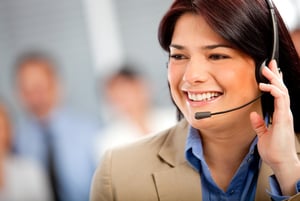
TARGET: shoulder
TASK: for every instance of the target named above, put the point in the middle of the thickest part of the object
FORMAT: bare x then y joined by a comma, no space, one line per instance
137,162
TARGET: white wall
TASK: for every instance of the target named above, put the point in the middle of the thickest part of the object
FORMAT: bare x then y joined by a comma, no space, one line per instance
104,34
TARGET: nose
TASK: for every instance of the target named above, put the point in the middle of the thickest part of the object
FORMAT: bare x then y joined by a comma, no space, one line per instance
196,71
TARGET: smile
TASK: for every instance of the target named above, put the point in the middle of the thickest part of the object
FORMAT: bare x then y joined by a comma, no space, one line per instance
207,96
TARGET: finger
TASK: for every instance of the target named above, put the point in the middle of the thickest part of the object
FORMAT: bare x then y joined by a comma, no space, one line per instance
274,79
258,124
275,91
274,68
281,98
281,103
272,75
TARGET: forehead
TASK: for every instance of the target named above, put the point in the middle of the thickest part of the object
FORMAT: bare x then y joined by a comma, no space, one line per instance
192,27
36,67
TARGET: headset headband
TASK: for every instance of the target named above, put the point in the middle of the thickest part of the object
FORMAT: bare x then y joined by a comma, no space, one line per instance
275,50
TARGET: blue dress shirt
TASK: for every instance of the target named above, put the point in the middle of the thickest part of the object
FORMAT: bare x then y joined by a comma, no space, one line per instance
242,186
72,138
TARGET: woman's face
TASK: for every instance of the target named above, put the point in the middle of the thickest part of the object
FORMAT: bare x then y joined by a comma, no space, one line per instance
206,73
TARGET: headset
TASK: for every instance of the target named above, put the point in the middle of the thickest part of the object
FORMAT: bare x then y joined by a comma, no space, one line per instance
275,50
258,70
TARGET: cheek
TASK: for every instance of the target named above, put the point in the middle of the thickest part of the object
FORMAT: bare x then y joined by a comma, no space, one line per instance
240,79
175,76
174,81
247,78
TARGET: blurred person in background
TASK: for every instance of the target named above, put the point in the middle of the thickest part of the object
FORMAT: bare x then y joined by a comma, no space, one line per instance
20,179
131,114
51,132
295,34
290,11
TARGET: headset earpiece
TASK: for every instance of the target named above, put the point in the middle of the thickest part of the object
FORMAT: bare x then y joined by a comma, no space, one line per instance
258,73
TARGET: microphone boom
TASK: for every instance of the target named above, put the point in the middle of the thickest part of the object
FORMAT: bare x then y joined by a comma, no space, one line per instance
207,114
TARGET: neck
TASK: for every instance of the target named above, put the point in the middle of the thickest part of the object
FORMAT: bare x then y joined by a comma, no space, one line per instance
230,139
225,151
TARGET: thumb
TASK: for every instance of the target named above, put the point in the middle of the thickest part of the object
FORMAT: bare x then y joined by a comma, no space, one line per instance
258,124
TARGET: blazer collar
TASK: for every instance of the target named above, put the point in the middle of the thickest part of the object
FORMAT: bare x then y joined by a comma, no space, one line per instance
172,150
180,181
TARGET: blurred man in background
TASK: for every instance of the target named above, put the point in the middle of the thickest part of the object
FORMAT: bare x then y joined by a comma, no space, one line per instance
50,132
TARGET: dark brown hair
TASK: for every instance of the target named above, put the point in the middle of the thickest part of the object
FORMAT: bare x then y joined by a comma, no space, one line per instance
247,25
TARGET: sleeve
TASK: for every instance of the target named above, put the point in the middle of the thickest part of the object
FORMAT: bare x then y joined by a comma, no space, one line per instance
276,194
101,188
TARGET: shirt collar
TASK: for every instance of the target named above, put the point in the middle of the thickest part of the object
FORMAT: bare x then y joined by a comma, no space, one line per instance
194,149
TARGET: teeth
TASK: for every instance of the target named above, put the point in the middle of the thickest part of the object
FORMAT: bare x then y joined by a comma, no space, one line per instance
203,97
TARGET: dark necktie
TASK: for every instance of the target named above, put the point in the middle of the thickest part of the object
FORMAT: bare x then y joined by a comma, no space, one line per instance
51,160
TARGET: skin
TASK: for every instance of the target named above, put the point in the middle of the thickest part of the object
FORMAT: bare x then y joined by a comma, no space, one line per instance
201,62
5,134
38,88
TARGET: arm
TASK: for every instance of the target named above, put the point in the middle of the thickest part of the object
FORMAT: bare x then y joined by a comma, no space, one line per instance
276,144
276,194
101,189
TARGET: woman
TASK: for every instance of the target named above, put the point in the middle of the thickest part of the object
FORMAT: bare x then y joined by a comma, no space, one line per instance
216,48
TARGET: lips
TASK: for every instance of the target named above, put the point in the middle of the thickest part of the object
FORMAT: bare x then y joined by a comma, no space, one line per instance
207,96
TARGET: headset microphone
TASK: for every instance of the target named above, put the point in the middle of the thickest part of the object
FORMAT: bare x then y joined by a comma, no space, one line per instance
203,115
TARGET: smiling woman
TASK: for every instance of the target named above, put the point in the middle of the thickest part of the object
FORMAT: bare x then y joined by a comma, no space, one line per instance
216,49
202,63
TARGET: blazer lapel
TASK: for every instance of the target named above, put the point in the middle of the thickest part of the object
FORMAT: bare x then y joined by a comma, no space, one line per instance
179,181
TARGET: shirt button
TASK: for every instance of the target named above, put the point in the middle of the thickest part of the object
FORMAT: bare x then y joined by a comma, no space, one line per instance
249,159
231,192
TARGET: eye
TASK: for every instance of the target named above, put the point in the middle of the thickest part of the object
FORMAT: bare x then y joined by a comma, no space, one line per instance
218,56
178,56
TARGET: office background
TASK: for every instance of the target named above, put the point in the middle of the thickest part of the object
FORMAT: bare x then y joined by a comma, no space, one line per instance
88,38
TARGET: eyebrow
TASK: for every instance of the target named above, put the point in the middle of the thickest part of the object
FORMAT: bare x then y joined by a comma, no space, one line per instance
207,47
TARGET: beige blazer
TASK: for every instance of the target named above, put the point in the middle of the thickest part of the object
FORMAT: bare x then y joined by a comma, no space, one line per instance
155,169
